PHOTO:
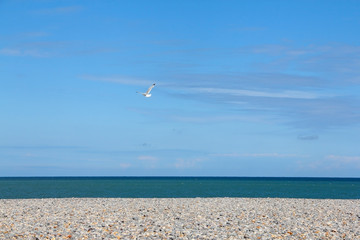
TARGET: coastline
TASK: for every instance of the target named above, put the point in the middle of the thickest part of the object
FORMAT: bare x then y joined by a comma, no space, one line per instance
179,218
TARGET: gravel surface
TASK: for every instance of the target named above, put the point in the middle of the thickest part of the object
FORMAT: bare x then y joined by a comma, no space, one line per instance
179,218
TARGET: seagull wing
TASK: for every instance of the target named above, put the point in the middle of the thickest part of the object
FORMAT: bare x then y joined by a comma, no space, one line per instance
151,87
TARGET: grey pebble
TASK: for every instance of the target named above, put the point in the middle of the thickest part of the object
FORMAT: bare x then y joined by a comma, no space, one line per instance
181,218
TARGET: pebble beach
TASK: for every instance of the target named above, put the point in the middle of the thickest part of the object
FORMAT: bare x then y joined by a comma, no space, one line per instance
179,218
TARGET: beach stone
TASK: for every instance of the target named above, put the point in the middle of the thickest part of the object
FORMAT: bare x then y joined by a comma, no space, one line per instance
182,218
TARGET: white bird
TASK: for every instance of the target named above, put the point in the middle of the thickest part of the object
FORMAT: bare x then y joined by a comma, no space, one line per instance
147,93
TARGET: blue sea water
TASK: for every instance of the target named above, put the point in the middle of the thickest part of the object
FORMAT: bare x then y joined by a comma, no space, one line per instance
178,187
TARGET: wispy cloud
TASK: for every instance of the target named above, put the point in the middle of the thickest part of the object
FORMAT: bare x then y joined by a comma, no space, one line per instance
34,48
40,147
278,50
301,86
189,163
118,79
217,118
149,161
257,80
344,159
10,52
22,52
256,155
125,165
332,163
333,58
53,49
35,34
267,94
308,137
147,158
21,36
249,29
58,10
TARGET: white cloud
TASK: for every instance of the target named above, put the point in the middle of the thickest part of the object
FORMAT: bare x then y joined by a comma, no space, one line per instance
257,155
332,163
147,158
334,58
252,93
10,52
305,87
149,162
35,34
22,52
58,10
182,163
338,161
35,48
308,137
344,159
30,154
249,29
211,119
124,165
119,79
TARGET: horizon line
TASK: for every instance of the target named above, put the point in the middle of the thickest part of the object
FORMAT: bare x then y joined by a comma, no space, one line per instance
73,176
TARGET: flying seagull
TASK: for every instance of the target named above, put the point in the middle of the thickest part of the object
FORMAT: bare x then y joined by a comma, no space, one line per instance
147,93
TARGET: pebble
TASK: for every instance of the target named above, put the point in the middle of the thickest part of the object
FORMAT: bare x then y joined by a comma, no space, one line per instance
179,218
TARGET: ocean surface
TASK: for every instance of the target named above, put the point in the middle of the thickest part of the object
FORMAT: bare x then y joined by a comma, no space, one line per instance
178,187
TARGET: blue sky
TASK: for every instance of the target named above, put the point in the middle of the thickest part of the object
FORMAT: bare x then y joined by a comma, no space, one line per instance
243,88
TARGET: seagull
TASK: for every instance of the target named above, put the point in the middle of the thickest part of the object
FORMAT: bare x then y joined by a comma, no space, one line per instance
147,93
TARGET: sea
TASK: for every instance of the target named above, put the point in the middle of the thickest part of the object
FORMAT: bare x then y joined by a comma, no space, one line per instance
178,187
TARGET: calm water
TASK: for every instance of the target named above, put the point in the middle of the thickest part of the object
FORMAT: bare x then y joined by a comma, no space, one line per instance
178,187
